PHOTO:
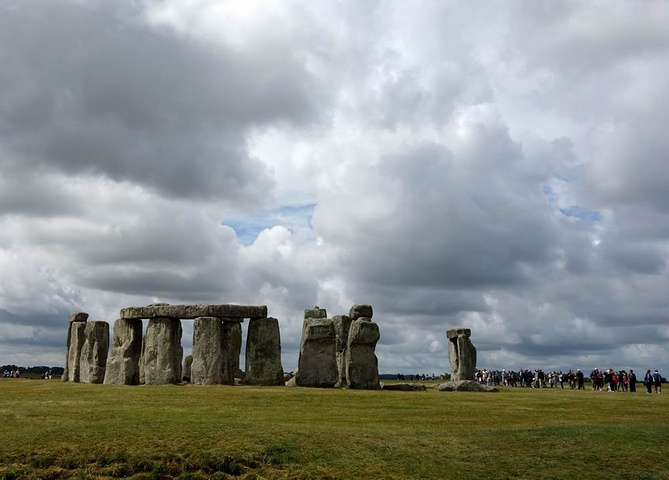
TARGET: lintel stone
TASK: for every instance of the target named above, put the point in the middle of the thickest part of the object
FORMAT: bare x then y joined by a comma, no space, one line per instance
236,312
78,317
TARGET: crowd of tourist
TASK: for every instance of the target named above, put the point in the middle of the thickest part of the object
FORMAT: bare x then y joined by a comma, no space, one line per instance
600,380
11,373
419,377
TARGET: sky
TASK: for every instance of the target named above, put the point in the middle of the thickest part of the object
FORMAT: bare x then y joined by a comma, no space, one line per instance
500,166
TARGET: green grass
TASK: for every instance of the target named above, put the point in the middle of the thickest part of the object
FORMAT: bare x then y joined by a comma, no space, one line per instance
50,429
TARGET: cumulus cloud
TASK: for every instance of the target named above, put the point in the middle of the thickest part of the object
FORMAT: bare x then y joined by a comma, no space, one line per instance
501,167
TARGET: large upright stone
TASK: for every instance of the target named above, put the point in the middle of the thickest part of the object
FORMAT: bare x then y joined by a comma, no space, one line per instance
162,351
207,368
94,352
362,366
342,325
123,363
142,380
232,347
317,365
75,342
263,352
461,354
188,364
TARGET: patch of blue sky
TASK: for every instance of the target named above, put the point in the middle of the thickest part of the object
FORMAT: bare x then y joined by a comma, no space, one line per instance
292,217
557,195
550,193
581,213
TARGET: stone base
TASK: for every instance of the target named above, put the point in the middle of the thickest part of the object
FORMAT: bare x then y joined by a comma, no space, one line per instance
465,386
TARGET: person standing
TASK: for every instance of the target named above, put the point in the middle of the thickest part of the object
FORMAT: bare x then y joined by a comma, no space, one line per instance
657,381
579,379
648,381
632,380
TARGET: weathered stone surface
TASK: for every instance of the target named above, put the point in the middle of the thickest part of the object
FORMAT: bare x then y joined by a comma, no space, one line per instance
188,364
363,333
291,382
465,386
231,348
195,311
142,380
123,362
207,368
403,387
342,325
315,312
461,354
362,366
455,332
162,351
78,317
65,376
94,352
75,342
317,365
358,311
263,352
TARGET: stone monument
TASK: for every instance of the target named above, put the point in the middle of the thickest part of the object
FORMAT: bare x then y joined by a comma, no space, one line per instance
207,367
342,325
162,351
123,363
75,342
93,361
263,352
232,347
362,366
461,354
317,364
185,373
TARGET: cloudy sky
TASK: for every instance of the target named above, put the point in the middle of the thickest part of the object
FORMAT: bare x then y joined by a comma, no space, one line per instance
496,165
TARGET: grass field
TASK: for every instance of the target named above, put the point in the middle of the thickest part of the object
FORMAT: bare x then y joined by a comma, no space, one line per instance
50,429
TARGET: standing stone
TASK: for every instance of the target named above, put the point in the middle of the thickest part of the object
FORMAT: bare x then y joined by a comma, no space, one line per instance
207,368
188,364
358,311
142,380
362,366
232,347
461,354
123,363
94,352
317,365
342,325
263,352
75,342
162,351
78,317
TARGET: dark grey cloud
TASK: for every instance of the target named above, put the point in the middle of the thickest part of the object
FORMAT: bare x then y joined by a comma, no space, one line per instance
90,88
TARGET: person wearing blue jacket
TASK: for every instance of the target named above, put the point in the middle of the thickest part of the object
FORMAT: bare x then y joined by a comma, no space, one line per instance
657,381
648,381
